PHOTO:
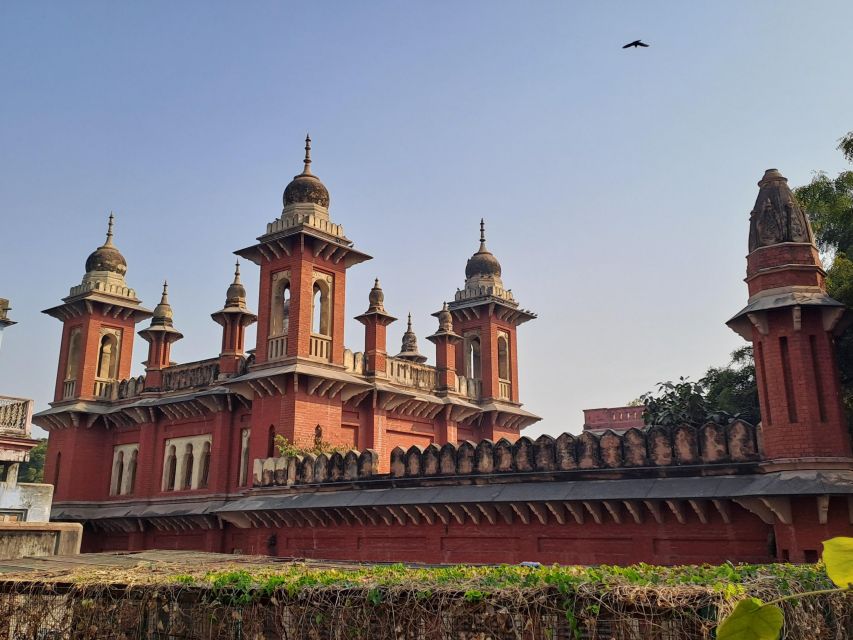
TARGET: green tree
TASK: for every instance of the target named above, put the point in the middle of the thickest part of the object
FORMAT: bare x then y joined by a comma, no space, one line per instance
33,471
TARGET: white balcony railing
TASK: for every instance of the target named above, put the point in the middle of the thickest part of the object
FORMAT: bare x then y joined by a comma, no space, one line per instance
103,388
68,388
504,390
411,374
471,388
277,347
320,347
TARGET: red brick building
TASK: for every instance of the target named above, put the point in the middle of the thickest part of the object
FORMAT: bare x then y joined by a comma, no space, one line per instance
615,418
184,456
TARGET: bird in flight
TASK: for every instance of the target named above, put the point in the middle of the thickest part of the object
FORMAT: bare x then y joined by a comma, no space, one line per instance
635,44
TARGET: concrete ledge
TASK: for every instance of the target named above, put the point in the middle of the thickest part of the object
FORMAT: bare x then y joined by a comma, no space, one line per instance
20,539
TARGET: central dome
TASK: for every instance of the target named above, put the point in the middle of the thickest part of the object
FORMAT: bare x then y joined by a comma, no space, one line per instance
107,257
306,187
482,263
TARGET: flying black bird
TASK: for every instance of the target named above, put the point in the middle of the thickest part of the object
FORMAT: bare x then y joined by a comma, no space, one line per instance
635,44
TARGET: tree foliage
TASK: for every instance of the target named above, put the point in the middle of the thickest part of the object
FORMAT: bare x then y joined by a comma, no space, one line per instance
723,394
33,471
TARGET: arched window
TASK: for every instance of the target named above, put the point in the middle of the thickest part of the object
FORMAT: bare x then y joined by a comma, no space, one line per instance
472,360
118,474
320,309
503,357
170,470
271,442
131,471
244,457
56,471
108,357
73,354
205,466
188,467
280,308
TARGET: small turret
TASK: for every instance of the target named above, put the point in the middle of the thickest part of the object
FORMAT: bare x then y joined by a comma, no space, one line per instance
159,335
234,317
375,321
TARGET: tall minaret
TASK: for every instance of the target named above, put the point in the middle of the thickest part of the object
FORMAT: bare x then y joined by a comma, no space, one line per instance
792,322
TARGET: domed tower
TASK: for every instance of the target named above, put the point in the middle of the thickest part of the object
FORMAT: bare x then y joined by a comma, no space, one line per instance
98,318
486,316
791,322
234,318
298,376
160,335
303,258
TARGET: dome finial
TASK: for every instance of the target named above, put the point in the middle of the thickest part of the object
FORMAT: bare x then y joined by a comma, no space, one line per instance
409,329
307,169
237,273
482,230
163,311
164,297
109,241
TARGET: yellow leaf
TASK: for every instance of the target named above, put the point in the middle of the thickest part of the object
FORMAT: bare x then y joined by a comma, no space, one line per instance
752,620
838,558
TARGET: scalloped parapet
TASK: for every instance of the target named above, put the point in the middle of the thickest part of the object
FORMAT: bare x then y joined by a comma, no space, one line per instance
309,469
682,446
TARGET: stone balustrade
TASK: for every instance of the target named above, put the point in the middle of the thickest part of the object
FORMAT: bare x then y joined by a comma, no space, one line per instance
411,374
354,362
191,374
130,388
711,444
15,414
286,471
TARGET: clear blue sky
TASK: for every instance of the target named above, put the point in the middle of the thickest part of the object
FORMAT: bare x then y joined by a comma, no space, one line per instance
616,184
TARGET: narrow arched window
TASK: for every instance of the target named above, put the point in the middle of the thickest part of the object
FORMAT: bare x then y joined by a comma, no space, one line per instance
171,470
118,474
271,442
204,476
56,471
188,468
285,308
320,324
244,457
73,354
108,357
473,358
131,471
503,357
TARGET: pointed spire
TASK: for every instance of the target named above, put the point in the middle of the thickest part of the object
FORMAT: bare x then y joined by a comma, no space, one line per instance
376,298
409,349
307,169
237,273
163,311
482,234
109,240
236,294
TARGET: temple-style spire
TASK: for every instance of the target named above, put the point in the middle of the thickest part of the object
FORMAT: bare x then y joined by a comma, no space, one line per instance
410,345
776,216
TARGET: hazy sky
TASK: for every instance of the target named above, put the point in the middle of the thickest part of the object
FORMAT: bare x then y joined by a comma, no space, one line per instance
616,184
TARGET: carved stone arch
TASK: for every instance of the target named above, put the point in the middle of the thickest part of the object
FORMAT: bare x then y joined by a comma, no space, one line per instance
368,463
351,464
398,462
610,445
543,453
588,451
565,452
430,460
447,460
741,440
484,456
336,467
634,451
685,444
306,469
465,455
712,443
414,461
503,455
321,468
659,442
522,454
